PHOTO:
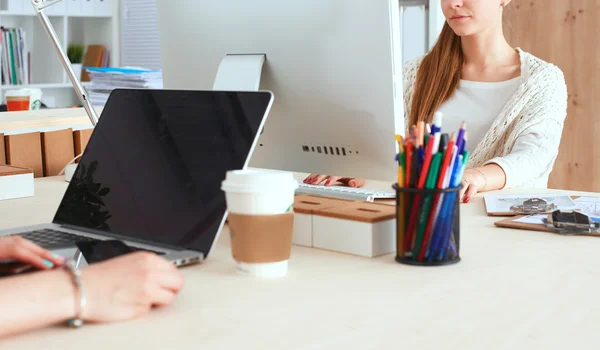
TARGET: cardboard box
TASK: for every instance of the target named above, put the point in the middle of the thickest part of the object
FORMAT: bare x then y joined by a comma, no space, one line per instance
361,228
304,208
15,182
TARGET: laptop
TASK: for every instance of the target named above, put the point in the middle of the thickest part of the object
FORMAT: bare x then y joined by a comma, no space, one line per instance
151,173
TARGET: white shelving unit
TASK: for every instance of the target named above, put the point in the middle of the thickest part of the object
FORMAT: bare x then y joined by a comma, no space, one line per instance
84,22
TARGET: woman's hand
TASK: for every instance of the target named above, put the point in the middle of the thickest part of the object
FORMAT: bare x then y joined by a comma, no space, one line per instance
317,179
26,252
129,286
473,182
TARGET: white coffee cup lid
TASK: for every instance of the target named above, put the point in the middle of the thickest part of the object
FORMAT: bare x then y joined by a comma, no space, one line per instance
253,181
18,92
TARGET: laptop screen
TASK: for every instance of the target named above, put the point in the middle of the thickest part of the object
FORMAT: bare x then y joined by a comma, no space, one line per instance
153,167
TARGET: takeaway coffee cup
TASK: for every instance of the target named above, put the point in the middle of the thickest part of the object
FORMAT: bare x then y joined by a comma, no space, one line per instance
23,99
261,220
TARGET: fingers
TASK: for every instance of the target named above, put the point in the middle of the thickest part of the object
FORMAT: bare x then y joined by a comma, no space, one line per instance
309,179
169,281
332,180
319,179
463,190
356,183
352,182
162,297
471,191
45,254
27,252
26,256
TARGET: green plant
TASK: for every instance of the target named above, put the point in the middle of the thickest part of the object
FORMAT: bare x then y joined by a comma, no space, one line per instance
75,53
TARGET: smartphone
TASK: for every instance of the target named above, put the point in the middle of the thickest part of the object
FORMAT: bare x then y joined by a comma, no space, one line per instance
97,251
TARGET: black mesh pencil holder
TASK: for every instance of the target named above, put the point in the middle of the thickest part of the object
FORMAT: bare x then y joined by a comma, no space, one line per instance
427,226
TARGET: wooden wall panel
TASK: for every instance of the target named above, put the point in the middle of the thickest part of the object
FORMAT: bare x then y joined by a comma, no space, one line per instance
566,33
81,139
2,150
25,150
57,150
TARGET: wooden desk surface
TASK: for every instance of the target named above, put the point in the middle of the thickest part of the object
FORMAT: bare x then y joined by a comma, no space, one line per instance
512,290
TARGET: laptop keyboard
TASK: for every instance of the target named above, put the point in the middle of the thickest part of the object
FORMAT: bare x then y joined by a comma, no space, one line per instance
51,239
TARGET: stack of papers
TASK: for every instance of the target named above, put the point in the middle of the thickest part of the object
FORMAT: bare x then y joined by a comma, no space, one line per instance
105,80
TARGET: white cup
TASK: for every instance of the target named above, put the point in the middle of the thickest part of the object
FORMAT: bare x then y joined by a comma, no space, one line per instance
260,192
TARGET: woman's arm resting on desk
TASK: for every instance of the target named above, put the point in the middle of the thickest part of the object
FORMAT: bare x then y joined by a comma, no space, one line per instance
116,290
533,154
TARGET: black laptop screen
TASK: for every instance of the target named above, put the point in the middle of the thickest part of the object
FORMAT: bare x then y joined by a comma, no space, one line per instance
153,167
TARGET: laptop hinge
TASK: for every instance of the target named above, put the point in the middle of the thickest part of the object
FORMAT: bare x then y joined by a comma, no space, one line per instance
119,237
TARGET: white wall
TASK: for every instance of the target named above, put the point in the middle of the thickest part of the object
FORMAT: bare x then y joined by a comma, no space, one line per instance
436,21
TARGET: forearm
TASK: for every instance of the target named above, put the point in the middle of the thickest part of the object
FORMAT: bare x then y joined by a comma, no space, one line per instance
35,300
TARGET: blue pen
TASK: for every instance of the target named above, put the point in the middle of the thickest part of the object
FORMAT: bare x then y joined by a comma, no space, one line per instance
438,227
460,140
447,232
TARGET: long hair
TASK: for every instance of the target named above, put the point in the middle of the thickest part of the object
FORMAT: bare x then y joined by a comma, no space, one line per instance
438,76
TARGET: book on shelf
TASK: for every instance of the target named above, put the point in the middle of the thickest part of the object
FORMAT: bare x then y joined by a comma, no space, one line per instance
95,56
15,57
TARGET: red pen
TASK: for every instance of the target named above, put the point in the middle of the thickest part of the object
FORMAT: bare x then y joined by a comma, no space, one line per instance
440,185
409,236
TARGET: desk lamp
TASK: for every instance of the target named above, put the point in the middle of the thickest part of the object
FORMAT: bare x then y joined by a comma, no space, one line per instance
39,6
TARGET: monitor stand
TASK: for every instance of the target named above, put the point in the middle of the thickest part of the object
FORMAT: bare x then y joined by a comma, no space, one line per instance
239,72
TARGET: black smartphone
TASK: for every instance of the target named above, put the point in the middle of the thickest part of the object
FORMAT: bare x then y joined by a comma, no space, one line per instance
97,251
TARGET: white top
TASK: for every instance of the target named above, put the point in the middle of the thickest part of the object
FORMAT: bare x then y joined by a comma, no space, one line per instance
524,138
478,104
513,290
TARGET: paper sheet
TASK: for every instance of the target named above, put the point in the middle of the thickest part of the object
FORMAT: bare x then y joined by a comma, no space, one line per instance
589,205
502,203
538,219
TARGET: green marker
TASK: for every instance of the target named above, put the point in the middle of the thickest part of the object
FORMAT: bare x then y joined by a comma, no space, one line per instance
426,207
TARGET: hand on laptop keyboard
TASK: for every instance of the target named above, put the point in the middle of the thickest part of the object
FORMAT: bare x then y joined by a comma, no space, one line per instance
327,180
26,252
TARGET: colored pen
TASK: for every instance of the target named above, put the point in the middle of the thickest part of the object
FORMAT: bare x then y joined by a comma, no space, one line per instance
448,155
436,130
424,213
412,222
447,232
460,139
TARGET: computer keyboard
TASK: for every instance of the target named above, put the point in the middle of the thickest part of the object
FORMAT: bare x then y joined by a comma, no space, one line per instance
342,192
53,239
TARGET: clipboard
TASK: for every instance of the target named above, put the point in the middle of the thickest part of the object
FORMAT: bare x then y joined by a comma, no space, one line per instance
533,201
512,223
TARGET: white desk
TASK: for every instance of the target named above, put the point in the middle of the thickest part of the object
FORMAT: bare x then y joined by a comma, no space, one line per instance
513,290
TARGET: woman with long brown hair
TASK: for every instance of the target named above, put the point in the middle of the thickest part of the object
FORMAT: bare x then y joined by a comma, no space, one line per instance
513,103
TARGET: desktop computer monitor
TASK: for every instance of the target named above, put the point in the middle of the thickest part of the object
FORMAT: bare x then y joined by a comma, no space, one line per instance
334,67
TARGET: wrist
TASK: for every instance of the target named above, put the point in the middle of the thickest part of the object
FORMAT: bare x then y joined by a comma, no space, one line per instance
65,294
479,179
79,300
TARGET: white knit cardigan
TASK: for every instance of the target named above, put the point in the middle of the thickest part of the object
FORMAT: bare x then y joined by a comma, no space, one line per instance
540,99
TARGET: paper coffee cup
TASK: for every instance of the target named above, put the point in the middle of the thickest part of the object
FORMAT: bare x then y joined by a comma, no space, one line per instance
35,99
26,99
18,100
260,206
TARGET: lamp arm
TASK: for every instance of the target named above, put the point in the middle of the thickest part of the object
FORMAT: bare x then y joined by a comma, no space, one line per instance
39,6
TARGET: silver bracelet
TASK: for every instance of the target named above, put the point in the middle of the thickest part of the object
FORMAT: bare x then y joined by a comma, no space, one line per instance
80,299
482,174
